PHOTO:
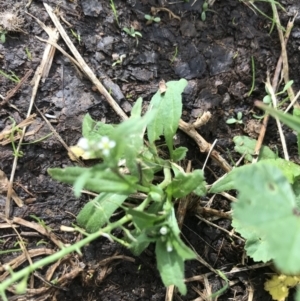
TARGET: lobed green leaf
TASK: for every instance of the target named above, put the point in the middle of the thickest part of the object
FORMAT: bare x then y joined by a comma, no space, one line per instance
246,145
267,205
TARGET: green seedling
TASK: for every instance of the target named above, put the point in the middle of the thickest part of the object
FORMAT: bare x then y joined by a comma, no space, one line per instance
13,77
274,5
237,120
268,99
119,60
133,33
15,130
114,9
41,242
76,36
20,243
41,222
151,19
205,8
28,53
174,55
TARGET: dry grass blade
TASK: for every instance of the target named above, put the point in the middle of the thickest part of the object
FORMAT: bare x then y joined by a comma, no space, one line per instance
169,293
220,228
39,228
282,62
84,67
16,262
8,131
4,186
284,57
37,77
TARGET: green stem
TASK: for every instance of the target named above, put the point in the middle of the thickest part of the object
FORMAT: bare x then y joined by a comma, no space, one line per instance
168,178
142,188
144,204
58,255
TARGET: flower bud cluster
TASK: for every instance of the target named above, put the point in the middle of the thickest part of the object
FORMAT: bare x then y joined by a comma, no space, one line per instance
104,145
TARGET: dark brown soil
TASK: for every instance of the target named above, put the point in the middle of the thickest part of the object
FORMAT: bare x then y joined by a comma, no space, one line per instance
214,56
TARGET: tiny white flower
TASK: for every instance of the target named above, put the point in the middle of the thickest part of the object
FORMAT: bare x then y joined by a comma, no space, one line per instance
83,143
163,230
105,145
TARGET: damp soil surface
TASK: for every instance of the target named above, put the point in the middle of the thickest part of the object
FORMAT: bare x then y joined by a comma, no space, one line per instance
217,57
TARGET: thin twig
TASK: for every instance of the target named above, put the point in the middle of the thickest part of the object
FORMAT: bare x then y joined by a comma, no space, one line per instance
208,155
68,149
203,145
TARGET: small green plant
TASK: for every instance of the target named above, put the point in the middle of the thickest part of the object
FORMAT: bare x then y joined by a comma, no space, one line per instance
119,60
133,33
151,19
268,99
274,4
41,222
28,53
13,77
205,8
76,36
152,220
114,9
174,55
14,130
237,120
41,242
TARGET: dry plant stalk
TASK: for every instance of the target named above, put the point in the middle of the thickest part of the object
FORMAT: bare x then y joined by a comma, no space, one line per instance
37,78
4,186
204,146
281,64
4,135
